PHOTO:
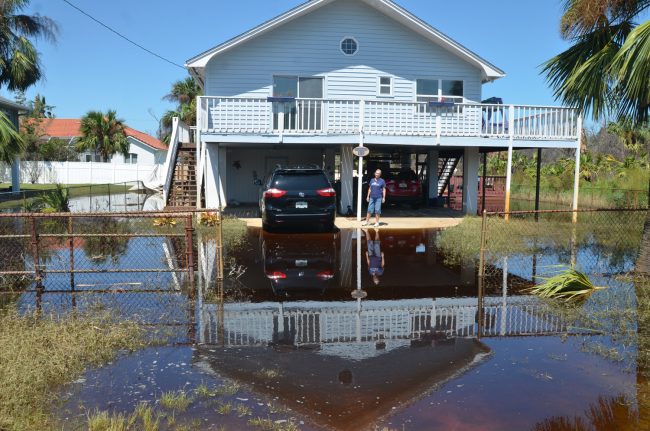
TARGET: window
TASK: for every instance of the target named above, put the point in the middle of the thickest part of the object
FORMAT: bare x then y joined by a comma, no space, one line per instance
298,114
131,159
385,86
97,158
438,90
349,46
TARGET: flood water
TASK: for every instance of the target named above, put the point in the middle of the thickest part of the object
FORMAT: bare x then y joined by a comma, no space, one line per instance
361,329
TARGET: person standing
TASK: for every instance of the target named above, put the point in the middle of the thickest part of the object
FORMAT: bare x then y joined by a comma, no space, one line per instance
376,197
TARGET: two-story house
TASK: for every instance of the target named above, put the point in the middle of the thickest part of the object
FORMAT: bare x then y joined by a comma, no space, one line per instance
310,85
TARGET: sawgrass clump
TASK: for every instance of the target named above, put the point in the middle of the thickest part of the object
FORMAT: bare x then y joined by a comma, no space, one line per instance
41,353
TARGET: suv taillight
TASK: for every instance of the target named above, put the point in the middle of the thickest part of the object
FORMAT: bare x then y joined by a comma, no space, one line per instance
274,193
328,193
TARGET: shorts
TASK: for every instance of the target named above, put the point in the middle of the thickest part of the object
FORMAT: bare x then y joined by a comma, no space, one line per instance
374,206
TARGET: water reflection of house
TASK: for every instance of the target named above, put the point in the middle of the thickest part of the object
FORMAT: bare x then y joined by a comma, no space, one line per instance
341,392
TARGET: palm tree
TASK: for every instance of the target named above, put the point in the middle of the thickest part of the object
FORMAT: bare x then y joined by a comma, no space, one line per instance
183,93
606,69
19,62
104,134
11,142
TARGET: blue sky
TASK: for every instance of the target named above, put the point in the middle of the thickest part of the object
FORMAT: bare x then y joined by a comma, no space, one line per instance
91,68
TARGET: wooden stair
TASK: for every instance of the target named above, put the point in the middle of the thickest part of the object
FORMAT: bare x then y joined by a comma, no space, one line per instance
182,193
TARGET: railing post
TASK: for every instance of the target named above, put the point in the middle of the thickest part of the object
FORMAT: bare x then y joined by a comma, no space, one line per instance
189,251
281,121
38,276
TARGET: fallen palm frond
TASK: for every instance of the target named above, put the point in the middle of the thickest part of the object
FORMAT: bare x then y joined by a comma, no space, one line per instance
569,284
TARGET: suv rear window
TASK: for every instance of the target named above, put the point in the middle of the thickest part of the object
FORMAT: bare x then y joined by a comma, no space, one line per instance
300,180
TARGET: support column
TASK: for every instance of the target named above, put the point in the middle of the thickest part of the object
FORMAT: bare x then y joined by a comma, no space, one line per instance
215,169
15,175
576,178
347,169
506,207
432,173
538,179
470,180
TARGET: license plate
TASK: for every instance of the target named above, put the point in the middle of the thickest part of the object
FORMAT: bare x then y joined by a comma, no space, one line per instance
402,185
301,205
301,263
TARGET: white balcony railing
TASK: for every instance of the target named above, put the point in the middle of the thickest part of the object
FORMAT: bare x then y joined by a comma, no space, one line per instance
285,116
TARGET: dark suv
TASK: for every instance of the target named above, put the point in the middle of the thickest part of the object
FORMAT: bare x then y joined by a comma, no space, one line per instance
298,196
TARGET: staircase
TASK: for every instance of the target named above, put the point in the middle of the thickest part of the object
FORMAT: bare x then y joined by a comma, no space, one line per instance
182,193
446,168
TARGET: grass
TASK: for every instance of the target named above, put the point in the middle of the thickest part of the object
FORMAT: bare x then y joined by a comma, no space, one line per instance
224,409
143,418
271,425
176,401
40,354
243,410
614,232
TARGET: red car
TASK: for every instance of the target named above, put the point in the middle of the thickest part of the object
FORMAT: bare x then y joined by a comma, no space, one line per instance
403,187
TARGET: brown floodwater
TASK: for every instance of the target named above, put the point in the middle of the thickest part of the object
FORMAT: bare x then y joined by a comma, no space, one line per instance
364,330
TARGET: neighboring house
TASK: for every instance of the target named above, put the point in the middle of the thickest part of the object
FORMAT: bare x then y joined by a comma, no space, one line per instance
313,83
13,110
144,149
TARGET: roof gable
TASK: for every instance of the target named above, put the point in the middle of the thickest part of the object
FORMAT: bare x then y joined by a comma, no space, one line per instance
70,128
387,7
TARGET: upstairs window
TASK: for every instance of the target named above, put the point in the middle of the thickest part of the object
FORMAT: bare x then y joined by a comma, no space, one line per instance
349,46
438,90
385,86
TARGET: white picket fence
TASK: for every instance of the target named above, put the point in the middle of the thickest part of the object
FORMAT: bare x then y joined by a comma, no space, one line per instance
83,173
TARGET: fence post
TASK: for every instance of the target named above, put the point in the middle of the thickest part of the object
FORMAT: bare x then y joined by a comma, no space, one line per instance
189,251
219,242
481,272
71,246
35,256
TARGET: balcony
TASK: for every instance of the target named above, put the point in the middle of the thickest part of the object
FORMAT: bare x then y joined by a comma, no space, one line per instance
331,117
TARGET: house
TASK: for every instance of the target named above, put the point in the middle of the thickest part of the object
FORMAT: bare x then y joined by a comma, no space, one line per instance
12,110
310,85
143,148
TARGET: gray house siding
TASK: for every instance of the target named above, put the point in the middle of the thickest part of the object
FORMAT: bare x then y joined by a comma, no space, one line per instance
310,46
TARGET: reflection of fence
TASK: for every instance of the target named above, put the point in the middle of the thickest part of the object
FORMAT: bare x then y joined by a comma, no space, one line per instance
300,324
95,252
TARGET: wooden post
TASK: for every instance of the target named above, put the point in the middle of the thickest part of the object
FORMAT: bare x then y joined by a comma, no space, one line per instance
483,182
481,275
71,248
189,252
537,181
35,254
219,248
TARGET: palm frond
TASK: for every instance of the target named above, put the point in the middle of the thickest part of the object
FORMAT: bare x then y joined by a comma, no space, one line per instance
569,285
11,142
631,68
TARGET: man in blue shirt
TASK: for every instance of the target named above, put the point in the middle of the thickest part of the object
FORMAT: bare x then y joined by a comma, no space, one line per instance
376,197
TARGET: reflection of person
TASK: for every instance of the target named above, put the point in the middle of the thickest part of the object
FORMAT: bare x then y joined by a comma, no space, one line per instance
376,197
374,257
